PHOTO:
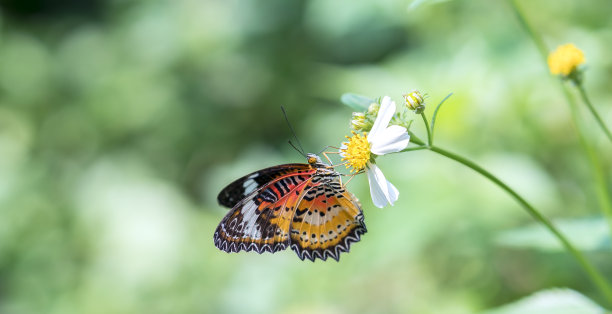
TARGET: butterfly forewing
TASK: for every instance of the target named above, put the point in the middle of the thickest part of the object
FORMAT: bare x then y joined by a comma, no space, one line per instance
261,221
241,188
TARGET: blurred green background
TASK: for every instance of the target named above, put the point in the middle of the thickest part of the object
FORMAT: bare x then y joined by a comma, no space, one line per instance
120,121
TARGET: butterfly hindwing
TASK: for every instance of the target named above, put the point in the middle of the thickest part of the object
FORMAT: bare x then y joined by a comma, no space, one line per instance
261,221
327,220
241,188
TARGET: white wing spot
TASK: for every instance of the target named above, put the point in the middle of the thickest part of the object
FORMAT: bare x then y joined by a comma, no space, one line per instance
249,186
250,229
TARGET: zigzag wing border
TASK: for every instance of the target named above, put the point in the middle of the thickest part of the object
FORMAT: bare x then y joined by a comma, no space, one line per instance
354,236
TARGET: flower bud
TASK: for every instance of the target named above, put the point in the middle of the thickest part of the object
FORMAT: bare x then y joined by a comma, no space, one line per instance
359,121
373,109
415,101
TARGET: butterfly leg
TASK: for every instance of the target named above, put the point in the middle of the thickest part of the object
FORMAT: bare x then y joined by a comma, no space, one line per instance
349,180
326,147
352,176
327,157
330,162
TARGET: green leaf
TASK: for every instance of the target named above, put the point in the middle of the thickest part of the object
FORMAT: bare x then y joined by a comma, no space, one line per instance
557,301
587,234
357,102
435,115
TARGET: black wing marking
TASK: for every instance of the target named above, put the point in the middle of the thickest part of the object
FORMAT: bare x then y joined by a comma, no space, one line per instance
241,188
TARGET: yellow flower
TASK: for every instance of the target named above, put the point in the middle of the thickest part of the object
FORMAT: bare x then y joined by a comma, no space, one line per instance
565,59
356,151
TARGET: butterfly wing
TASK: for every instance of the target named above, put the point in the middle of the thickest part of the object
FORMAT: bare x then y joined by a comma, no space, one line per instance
261,221
327,220
241,188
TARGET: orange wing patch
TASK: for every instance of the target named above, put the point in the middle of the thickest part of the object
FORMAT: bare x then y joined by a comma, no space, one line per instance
261,221
326,222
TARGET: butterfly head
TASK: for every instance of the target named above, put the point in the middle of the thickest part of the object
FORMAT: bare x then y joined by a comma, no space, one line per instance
314,160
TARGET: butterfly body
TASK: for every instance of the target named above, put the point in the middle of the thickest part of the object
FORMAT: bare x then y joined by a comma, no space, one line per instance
302,206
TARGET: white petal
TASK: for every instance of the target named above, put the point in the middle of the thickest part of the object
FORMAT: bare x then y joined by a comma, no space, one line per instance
390,140
385,113
393,193
377,191
381,190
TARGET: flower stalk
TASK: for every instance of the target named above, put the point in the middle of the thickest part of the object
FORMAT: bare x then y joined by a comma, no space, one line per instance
589,105
601,186
429,138
590,270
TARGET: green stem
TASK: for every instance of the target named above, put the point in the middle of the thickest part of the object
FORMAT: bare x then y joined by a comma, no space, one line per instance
586,100
415,140
537,40
429,138
413,149
591,271
601,186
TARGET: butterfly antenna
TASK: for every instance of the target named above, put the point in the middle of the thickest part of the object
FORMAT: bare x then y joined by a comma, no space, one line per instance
324,148
300,150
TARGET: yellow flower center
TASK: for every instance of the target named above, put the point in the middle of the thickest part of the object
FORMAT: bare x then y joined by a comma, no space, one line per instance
565,59
357,151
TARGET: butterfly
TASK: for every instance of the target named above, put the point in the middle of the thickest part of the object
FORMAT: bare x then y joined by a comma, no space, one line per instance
302,206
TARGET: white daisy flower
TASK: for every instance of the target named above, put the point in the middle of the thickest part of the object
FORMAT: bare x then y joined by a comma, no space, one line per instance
382,139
